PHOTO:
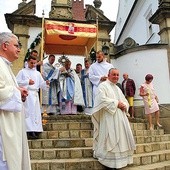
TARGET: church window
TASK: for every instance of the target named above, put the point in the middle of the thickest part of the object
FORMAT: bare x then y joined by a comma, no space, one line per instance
149,26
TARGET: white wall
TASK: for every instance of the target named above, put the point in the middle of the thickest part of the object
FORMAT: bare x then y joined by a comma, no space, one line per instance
74,60
140,63
33,32
122,14
137,27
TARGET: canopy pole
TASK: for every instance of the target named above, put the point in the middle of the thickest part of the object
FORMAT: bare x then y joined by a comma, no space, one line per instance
97,27
44,115
42,51
42,39
86,53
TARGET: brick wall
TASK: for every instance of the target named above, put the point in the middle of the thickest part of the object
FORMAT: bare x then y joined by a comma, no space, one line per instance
78,10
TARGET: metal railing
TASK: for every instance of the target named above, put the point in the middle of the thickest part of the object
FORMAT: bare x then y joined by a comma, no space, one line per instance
164,107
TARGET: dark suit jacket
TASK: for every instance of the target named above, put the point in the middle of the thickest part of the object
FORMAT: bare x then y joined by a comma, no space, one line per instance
130,87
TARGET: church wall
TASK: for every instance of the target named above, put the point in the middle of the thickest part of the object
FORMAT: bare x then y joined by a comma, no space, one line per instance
138,24
139,63
124,5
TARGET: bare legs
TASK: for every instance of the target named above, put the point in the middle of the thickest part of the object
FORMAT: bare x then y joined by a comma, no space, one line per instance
157,118
132,111
149,116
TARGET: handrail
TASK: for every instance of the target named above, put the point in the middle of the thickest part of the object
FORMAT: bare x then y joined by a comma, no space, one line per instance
159,105
164,107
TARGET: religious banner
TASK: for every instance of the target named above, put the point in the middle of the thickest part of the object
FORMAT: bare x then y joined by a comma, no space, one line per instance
71,29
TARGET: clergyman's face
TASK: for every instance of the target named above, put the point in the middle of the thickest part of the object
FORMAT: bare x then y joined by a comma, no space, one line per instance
34,54
113,76
51,60
67,65
12,49
87,65
32,63
78,68
99,57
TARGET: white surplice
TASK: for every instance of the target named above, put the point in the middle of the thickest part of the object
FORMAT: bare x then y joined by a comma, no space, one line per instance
32,105
96,71
113,139
14,152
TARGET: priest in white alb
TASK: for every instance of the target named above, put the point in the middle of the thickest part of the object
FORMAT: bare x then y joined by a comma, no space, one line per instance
98,71
14,151
32,80
113,139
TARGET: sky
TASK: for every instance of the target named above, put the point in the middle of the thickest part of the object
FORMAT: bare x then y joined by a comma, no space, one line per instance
109,8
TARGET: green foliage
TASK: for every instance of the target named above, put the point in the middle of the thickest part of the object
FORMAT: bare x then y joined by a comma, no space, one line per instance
33,45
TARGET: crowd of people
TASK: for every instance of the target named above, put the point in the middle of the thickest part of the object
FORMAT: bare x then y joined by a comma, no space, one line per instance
93,90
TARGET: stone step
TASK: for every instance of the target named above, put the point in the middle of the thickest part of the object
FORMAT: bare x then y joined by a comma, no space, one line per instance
68,126
142,126
161,158
151,147
156,166
140,136
66,144
138,126
88,142
69,153
83,117
89,134
148,132
144,137
67,164
68,118
60,143
61,153
152,138
62,125
151,157
66,134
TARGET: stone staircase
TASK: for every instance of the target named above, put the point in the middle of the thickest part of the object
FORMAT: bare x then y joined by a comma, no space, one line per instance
66,144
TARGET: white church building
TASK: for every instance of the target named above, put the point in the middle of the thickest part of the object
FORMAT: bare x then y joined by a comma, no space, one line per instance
140,47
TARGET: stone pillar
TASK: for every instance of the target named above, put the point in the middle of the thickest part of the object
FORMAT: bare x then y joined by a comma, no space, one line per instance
22,32
61,9
162,18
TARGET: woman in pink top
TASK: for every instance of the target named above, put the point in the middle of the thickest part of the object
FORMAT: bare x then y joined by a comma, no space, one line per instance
150,100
